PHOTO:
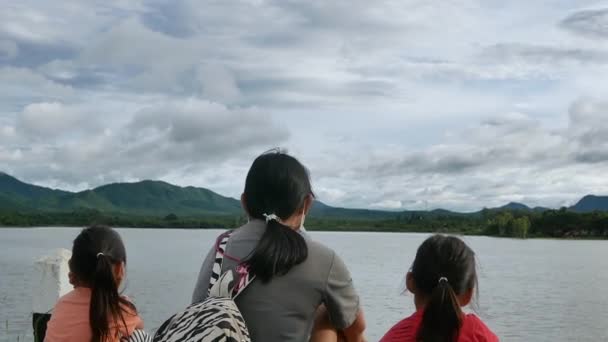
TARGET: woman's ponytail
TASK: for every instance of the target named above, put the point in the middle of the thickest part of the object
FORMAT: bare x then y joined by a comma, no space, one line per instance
279,249
442,316
277,187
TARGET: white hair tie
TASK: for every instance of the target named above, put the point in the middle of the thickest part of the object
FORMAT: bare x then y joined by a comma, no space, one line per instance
271,217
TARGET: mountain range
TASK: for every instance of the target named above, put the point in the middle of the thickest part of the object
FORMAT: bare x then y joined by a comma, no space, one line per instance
157,198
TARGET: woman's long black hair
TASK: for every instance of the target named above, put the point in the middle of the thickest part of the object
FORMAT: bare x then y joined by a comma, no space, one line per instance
95,253
444,268
279,184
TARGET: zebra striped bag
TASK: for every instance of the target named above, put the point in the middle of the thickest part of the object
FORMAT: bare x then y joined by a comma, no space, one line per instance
138,336
217,318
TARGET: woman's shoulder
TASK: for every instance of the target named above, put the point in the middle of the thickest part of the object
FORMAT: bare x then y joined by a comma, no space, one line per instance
319,250
475,330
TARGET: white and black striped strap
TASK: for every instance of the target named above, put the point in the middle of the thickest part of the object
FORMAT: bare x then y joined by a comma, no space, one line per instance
244,277
220,251
139,336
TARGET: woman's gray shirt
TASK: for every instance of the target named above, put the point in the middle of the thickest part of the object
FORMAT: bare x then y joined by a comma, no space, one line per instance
283,310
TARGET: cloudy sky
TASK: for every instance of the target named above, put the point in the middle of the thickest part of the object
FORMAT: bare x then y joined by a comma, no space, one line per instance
407,104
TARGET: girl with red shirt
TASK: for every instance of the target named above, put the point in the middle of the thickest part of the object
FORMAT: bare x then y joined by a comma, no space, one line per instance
442,279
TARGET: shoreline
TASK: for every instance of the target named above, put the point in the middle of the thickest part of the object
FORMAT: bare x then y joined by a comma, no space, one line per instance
330,230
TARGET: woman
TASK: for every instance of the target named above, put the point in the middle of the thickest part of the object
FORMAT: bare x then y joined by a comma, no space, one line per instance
294,276
95,311
443,279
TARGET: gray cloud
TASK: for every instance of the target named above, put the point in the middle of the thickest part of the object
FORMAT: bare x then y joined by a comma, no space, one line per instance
589,23
543,54
22,86
161,140
505,158
588,131
8,50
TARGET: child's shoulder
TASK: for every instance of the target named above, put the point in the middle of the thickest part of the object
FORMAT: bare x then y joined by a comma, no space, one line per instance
474,329
77,296
404,330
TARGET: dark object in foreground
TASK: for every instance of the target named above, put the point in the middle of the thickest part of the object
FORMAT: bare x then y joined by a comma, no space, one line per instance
39,322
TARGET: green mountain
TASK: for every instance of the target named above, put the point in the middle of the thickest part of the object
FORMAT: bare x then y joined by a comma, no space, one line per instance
147,198
591,203
515,206
159,199
151,198
15,194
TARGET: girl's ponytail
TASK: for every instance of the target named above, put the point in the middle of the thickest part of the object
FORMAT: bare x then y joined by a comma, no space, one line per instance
443,271
105,299
279,249
442,316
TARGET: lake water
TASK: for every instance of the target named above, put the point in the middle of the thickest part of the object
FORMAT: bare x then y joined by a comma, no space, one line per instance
530,290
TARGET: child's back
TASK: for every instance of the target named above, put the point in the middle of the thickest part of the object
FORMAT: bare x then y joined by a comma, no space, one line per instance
70,319
443,279
472,330
94,311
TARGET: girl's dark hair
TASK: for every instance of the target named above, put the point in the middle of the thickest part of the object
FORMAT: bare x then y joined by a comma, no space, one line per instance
444,268
277,183
96,251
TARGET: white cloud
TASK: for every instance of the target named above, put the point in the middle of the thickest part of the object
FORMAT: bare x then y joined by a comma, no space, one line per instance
388,204
408,104
51,119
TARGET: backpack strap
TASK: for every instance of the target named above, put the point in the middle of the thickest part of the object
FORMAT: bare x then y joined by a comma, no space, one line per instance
244,279
244,276
220,250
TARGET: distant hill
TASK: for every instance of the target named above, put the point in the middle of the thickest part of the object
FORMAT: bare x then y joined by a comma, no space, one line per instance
141,198
150,198
15,194
515,206
591,203
156,198
320,209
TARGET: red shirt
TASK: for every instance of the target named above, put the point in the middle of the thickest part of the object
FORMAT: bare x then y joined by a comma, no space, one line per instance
472,330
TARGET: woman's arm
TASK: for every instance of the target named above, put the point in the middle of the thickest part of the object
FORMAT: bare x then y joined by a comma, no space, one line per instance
342,303
354,333
325,331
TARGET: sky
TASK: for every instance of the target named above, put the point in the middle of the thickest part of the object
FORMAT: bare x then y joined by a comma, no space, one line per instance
409,104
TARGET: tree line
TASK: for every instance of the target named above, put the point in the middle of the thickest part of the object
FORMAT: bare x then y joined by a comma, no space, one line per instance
560,223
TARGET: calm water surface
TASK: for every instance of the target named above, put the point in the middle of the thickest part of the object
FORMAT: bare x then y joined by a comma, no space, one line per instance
530,290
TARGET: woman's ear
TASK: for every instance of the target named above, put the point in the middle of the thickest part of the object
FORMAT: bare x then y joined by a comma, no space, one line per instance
466,298
410,284
308,202
244,203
